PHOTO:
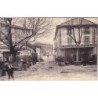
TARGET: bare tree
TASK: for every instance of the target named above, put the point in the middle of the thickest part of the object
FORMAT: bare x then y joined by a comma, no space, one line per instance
15,37
40,26
72,33
77,38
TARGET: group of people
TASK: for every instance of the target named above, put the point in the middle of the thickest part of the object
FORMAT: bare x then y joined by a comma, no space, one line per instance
7,68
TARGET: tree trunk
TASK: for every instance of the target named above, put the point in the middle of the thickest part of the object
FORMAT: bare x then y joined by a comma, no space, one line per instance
13,56
77,56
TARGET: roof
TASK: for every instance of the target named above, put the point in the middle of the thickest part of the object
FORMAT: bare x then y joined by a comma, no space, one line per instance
76,22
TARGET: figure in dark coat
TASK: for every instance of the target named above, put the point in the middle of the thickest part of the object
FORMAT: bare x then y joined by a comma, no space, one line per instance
10,71
2,68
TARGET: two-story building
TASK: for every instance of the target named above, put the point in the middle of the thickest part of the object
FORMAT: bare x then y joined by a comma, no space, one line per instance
76,39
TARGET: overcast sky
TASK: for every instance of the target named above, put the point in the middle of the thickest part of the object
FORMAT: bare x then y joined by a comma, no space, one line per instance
48,38
56,21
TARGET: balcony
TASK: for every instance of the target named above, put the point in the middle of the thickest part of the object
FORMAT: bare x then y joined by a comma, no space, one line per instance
79,46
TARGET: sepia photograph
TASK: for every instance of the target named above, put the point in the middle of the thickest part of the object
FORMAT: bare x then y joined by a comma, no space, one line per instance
48,48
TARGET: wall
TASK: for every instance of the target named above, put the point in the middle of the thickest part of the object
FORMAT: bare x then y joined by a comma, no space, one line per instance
64,36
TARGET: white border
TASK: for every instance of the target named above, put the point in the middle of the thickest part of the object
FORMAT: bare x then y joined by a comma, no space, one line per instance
49,8
55,89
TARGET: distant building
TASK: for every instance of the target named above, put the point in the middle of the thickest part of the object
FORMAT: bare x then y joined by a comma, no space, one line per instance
3,48
41,49
67,34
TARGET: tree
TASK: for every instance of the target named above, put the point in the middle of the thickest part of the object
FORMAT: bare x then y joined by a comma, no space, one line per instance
77,38
15,37
40,26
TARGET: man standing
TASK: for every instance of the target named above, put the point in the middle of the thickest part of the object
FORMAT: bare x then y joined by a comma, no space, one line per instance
10,70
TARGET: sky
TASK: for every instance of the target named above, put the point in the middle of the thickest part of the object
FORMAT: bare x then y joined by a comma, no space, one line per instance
48,39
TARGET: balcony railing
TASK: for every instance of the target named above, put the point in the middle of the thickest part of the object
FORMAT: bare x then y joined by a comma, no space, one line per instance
79,46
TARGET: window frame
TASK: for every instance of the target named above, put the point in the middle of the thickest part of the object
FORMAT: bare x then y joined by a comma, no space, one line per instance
86,30
86,40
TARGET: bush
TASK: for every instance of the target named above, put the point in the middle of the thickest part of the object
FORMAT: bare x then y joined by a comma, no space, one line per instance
59,60
92,60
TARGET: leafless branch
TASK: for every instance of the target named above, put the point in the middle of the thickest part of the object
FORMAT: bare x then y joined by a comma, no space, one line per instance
36,26
79,32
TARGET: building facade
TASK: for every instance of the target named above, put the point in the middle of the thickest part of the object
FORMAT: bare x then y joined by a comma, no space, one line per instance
76,40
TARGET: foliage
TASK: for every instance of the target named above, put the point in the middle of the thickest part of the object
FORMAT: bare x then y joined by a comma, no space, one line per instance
92,60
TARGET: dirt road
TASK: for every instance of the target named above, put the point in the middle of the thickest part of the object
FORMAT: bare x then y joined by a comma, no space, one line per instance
51,71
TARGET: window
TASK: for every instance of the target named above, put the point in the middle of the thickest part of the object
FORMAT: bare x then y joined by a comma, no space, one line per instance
86,30
86,40
69,41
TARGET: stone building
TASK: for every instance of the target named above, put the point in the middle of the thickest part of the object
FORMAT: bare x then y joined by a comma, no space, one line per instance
76,40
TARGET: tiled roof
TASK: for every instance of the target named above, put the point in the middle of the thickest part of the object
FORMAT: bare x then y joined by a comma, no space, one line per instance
77,21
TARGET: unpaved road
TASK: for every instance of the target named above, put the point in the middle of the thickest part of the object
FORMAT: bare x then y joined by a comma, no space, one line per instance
51,71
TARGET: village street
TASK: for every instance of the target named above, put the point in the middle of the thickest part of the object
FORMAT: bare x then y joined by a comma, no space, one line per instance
53,72
38,42
49,70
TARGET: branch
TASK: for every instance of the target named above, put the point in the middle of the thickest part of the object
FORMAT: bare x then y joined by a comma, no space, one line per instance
74,36
80,31
20,47
39,27
28,37
81,36
23,40
4,35
23,45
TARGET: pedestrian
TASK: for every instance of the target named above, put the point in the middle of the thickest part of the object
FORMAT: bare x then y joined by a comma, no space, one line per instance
24,66
2,68
10,70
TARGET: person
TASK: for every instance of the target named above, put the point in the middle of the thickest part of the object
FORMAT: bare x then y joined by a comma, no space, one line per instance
10,70
2,68
24,65
3,71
